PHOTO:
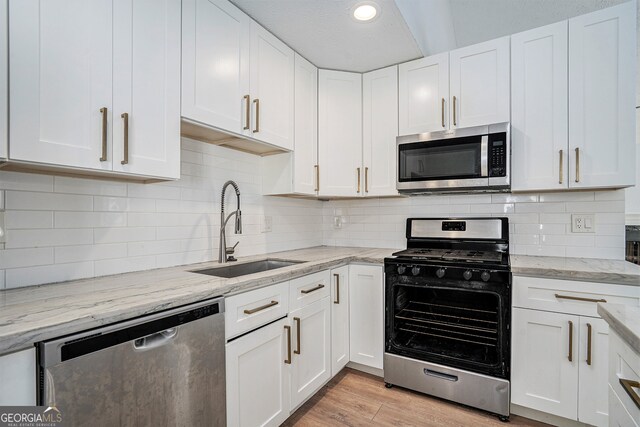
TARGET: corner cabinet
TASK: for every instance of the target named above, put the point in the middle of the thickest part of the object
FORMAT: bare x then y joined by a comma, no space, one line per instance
379,131
340,134
366,315
96,87
4,79
237,77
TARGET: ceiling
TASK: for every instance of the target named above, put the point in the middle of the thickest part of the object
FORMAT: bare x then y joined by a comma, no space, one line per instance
324,32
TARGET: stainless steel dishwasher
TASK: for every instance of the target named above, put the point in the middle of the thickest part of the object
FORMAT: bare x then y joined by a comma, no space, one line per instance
164,369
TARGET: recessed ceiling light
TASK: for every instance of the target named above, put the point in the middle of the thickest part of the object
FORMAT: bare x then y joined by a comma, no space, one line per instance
365,11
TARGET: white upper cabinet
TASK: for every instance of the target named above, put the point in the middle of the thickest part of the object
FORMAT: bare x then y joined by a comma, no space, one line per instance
96,85
146,87
272,65
340,133
379,131
539,122
4,69
216,39
306,127
479,84
424,94
602,72
61,65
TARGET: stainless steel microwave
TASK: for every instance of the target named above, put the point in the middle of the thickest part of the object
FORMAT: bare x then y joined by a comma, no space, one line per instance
460,160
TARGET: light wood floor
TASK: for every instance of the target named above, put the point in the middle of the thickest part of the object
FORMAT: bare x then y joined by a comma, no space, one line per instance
353,398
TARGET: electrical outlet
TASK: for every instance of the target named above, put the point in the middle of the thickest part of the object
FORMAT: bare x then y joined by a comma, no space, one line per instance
583,223
268,224
337,222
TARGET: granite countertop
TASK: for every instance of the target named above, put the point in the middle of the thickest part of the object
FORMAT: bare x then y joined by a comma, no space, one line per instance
586,269
625,320
37,313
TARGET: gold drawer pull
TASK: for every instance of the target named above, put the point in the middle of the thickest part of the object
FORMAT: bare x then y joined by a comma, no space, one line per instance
104,112
308,291
317,167
247,113
262,307
628,386
297,320
442,112
577,164
125,117
589,344
580,298
288,359
570,356
337,300
257,128
561,170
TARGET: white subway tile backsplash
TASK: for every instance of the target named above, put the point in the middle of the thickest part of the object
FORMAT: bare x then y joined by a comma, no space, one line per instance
120,235
48,201
25,182
68,185
28,219
89,219
36,238
27,276
68,254
13,258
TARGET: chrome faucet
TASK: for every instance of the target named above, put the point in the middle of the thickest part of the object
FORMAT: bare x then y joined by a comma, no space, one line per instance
222,257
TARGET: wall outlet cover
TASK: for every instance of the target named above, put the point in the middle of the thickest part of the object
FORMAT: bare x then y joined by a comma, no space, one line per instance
583,223
268,224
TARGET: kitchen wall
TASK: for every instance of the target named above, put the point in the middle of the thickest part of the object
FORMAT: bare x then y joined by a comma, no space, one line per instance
61,228
539,223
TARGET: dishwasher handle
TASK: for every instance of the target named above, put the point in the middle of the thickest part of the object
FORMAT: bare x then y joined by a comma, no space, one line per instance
155,340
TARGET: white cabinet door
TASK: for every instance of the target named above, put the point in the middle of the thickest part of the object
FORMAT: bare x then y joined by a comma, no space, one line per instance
339,318
146,87
215,64
340,133
272,64
305,155
594,369
379,131
18,374
258,377
366,315
479,85
61,78
602,76
311,348
424,94
539,120
542,376
4,69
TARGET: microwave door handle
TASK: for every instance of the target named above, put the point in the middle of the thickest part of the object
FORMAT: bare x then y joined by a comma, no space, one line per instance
484,156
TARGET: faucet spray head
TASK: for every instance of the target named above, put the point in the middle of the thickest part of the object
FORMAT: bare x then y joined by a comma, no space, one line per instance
238,227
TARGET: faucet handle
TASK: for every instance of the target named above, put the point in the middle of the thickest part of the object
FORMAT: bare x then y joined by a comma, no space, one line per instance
232,249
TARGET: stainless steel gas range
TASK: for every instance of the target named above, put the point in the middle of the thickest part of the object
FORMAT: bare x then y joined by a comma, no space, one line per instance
448,312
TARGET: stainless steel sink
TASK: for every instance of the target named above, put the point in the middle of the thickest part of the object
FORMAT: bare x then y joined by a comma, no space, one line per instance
237,270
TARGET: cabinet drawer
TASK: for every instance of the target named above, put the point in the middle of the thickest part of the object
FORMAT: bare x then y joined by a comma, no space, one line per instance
567,296
250,310
308,289
624,364
618,415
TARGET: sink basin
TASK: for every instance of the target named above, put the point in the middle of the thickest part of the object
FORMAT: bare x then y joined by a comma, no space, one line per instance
237,270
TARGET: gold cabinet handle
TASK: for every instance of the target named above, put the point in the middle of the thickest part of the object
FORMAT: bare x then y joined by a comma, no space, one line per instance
454,111
366,179
288,359
628,386
589,344
358,169
125,117
257,102
262,307
561,168
247,112
104,112
308,291
442,112
577,164
317,167
297,320
337,300
579,298
570,356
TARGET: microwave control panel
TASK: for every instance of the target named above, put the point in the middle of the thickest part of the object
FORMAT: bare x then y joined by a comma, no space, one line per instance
498,154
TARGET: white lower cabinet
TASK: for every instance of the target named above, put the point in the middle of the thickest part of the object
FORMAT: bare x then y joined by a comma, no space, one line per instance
258,378
623,377
311,350
594,360
339,319
366,315
18,378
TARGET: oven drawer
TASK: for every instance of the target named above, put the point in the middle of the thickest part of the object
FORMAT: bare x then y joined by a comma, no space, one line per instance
568,296
247,311
308,289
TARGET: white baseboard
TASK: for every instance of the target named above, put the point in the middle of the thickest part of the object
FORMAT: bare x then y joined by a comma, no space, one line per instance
367,369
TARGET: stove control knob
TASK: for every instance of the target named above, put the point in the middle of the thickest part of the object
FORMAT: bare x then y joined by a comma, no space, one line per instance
415,270
440,273
401,269
485,276
467,275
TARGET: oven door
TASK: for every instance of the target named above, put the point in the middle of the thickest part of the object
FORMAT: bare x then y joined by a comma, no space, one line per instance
441,164
465,325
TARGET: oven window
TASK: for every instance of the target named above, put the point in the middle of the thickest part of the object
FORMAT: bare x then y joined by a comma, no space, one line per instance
449,160
445,325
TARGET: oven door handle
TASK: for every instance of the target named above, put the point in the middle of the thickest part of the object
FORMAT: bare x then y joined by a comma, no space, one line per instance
441,375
